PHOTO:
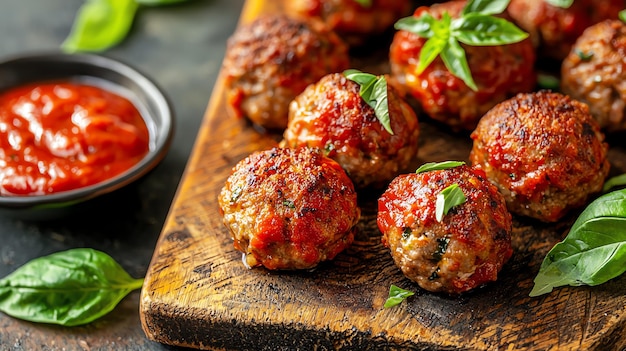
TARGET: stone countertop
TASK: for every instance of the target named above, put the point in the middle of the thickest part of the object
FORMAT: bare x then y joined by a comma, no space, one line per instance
181,48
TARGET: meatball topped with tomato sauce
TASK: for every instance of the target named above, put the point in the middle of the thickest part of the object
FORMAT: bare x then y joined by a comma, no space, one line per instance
465,249
554,29
499,72
594,72
289,208
332,116
354,21
272,59
544,151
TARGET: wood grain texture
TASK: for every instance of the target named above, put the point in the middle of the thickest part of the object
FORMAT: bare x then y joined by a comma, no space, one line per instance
198,293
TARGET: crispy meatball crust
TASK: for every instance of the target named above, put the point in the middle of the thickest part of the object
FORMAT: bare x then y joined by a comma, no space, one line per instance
352,21
544,151
466,249
500,72
595,73
553,29
289,208
332,116
272,59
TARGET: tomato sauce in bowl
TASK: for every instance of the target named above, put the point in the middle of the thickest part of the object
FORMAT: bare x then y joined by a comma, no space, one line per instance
64,135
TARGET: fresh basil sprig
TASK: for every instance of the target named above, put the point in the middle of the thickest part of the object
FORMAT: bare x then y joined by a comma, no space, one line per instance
102,24
374,92
69,288
396,296
436,166
448,198
476,27
560,3
594,250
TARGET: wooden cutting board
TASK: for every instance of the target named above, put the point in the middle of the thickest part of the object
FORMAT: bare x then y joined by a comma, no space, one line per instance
198,294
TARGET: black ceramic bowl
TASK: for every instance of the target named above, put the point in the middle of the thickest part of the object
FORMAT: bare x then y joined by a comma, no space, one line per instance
106,73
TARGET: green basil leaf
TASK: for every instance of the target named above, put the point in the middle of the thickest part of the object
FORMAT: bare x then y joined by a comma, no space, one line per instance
364,3
485,7
448,198
396,296
454,59
70,288
373,90
593,252
436,166
421,26
483,30
614,182
100,24
622,15
560,3
431,49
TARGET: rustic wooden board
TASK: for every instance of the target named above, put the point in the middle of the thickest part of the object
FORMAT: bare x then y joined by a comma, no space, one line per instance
198,294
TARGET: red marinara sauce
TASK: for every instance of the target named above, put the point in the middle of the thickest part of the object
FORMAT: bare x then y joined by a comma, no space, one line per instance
60,136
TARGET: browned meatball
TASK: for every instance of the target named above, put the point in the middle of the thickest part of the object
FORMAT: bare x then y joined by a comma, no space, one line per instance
499,72
289,208
332,116
544,151
271,60
554,29
466,249
353,21
595,73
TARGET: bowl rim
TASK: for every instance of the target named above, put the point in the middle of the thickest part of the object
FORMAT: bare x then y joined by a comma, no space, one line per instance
160,140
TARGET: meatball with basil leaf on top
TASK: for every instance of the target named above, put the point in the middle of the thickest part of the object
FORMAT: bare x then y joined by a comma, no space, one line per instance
446,226
453,67
360,121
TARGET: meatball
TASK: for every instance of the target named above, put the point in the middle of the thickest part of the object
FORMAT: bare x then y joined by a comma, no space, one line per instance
544,151
354,22
289,208
554,29
332,116
271,60
500,72
595,73
466,249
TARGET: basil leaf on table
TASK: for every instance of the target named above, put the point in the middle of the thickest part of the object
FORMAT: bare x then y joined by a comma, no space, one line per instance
373,90
69,288
100,24
475,26
396,296
448,198
560,3
593,252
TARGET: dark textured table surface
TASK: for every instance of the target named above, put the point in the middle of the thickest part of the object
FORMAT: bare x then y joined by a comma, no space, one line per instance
181,48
